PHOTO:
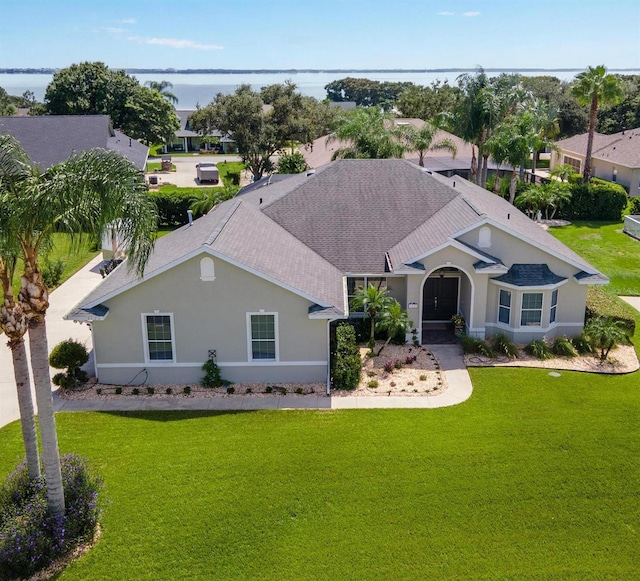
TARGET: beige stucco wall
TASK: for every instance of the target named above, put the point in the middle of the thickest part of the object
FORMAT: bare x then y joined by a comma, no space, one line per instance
210,315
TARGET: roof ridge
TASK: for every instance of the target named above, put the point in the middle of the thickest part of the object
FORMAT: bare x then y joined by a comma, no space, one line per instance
220,226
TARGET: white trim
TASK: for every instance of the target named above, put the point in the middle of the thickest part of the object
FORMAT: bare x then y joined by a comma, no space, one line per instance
534,292
532,328
472,298
198,364
147,359
189,256
250,339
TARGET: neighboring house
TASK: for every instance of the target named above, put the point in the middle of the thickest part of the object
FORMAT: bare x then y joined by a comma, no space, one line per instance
52,139
441,161
259,278
187,140
615,158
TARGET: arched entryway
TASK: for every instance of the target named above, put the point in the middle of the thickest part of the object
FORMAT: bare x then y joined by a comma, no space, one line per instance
443,291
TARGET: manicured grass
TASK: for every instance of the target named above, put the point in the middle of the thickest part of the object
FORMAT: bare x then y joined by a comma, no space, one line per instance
533,478
604,245
157,166
61,250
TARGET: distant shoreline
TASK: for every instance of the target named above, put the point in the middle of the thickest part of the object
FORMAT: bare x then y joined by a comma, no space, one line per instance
50,71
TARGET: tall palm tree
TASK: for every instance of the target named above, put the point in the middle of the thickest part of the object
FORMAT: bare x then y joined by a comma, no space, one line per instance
79,196
373,301
393,320
14,167
161,87
592,88
421,140
546,127
369,134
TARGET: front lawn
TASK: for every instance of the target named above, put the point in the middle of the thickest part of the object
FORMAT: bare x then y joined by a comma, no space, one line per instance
534,477
609,249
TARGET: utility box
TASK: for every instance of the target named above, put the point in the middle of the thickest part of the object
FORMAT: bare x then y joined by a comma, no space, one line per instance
632,226
166,163
208,172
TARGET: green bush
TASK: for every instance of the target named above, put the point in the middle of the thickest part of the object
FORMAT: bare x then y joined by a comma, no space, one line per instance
605,201
70,355
212,377
634,206
539,349
502,345
564,347
602,304
601,182
347,365
52,272
30,538
582,344
604,334
373,384
234,177
291,163
475,345
173,204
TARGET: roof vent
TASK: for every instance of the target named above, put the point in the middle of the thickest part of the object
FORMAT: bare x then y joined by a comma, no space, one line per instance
454,183
311,172
190,216
425,170
260,201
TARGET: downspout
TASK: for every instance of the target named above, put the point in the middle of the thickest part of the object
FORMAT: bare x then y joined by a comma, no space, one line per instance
95,359
329,321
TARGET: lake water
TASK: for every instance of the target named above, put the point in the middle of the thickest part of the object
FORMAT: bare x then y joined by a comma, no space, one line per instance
192,89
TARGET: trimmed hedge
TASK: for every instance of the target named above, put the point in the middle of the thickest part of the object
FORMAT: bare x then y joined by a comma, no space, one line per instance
595,201
602,304
173,205
347,366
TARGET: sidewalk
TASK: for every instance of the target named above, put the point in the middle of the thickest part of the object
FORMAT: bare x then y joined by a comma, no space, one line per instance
61,301
450,357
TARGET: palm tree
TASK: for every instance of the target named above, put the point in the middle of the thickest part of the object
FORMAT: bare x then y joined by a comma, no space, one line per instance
372,300
161,87
545,127
421,140
369,134
79,196
14,167
393,320
563,172
592,88
605,333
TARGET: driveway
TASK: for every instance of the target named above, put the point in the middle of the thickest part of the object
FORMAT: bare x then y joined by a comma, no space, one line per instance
61,301
186,175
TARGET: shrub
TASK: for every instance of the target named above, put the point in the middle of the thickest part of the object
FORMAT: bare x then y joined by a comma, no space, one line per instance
150,390
564,347
249,390
30,538
388,366
595,201
118,390
373,384
187,389
475,345
410,359
70,355
135,391
292,163
539,349
231,390
502,345
268,389
172,205
634,206
168,391
423,378
298,390
52,272
212,377
347,367
397,364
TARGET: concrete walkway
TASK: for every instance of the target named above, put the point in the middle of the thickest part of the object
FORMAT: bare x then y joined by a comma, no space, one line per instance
633,301
450,357
77,287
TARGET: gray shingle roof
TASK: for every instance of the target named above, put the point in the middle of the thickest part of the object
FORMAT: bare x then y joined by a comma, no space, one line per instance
52,139
530,275
622,148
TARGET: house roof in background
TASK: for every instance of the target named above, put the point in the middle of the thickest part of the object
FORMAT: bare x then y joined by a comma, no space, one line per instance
185,128
52,139
621,148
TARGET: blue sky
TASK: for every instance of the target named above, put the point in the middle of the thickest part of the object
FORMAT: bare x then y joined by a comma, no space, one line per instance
321,34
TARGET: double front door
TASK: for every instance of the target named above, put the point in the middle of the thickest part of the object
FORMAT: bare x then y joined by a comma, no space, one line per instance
440,298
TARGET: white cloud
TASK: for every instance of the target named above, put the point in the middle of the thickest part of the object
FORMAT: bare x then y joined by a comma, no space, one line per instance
446,13
471,14
174,43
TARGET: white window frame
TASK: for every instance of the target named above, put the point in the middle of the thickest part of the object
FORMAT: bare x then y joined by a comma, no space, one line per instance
508,308
553,309
522,309
145,335
250,339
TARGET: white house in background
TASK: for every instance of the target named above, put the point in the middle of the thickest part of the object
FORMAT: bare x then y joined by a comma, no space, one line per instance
615,158
259,279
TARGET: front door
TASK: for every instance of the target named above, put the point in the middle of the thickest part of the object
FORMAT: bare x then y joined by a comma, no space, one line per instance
440,298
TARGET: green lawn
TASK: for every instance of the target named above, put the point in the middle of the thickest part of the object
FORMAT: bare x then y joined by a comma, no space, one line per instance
604,245
533,478
61,247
